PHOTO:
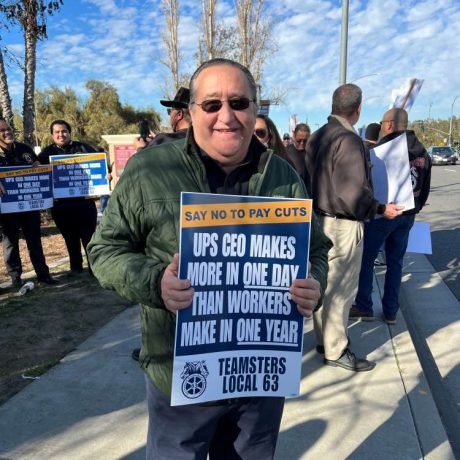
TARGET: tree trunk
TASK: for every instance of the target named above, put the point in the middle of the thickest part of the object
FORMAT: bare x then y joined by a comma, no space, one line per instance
28,107
5,99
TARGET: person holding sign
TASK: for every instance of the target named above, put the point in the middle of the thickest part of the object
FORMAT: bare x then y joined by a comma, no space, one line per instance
393,233
343,198
14,153
76,218
134,251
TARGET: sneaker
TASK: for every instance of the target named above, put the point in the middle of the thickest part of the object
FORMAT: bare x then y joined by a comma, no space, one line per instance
48,279
320,348
350,362
135,354
389,319
356,313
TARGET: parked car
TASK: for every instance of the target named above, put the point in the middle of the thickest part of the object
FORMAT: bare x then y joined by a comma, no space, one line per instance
442,155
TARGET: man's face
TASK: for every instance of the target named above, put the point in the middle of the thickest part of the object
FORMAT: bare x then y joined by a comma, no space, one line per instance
225,134
300,139
175,115
61,135
386,124
6,135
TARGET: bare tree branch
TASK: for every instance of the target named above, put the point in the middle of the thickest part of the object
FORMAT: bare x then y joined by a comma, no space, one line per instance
170,39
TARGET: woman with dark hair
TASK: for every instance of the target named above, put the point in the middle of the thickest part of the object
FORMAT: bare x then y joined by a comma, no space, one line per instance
266,132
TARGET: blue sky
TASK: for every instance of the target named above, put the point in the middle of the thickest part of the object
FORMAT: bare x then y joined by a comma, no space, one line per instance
120,41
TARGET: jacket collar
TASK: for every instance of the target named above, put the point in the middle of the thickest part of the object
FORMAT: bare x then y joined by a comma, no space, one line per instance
344,122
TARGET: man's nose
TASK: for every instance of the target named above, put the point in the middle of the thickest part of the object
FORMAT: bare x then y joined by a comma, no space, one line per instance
226,113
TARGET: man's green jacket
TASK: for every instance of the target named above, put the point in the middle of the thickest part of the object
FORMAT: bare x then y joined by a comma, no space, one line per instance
139,234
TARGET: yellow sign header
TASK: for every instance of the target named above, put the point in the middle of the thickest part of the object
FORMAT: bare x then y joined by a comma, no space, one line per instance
83,158
274,212
25,171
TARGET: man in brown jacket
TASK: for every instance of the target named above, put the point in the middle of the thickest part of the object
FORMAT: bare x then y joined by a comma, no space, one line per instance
343,199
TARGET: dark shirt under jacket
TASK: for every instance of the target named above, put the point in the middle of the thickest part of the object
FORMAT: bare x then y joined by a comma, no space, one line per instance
19,155
341,180
237,181
297,158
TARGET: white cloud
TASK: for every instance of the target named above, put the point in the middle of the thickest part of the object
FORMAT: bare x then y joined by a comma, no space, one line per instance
120,41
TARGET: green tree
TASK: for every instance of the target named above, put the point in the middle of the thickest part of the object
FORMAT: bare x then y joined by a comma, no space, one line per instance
132,117
102,111
55,103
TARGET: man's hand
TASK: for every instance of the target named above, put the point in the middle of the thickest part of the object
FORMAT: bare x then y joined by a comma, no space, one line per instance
305,293
392,210
176,293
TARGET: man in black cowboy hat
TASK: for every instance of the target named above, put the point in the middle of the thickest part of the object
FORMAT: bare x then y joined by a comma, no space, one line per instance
179,119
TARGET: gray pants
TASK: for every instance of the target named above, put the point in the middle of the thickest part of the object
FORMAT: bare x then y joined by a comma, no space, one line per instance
245,428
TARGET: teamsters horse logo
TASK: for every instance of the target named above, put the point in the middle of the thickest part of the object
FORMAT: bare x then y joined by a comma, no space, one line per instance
194,376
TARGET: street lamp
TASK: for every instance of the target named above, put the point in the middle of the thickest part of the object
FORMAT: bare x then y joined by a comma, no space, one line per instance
450,126
344,43
364,76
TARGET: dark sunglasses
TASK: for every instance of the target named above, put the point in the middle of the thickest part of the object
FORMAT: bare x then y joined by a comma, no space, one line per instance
171,109
260,132
214,105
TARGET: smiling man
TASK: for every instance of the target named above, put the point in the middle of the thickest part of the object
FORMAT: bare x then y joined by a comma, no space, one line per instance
76,218
14,153
134,251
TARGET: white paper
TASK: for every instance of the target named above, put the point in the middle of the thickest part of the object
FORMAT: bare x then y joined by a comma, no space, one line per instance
391,173
420,238
405,96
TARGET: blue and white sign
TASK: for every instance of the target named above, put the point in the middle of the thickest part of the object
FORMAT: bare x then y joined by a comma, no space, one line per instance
27,188
79,175
242,335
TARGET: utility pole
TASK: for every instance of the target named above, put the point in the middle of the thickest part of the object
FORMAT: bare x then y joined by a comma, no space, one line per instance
344,43
450,125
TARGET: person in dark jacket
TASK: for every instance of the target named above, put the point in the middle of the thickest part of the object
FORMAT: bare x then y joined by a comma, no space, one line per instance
343,198
394,233
14,153
296,152
76,218
134,251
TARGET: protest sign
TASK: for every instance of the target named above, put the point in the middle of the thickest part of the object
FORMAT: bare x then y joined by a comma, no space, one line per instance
27,188
79,175
242,335
391,173
404,97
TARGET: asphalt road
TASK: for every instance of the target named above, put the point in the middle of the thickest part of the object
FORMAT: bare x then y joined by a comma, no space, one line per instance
443,213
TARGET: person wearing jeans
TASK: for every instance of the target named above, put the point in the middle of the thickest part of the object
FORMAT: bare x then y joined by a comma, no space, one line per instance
395,234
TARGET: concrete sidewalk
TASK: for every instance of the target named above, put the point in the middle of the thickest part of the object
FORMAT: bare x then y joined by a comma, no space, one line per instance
92,405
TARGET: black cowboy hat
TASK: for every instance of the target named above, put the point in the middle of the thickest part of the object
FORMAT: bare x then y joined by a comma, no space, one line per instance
180,101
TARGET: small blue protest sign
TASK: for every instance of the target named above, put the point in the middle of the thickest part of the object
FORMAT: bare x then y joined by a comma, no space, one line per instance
242,334
79,175
27,188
